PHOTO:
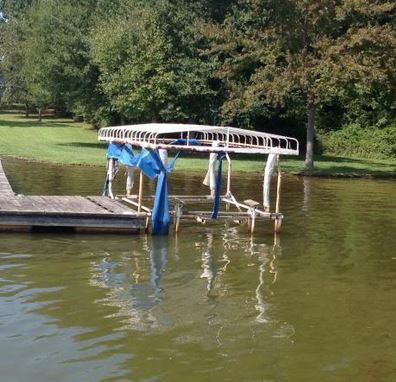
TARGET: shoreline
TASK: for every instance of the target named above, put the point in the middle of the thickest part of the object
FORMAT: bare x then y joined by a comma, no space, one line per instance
314,174
60,141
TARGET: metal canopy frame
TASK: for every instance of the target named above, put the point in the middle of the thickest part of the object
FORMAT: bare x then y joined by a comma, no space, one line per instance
209,138
203,139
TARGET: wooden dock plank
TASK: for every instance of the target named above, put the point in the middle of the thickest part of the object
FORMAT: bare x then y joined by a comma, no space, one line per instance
23,223
110,204
75,205
94,213
99,221
113,222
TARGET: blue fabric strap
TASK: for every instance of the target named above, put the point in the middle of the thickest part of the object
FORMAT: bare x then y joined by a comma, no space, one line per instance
216,203
149,162
160,214
184,141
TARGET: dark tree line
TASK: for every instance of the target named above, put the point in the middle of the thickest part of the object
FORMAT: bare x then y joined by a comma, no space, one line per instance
284,66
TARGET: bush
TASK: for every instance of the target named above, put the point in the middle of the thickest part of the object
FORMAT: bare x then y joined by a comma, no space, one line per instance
354,141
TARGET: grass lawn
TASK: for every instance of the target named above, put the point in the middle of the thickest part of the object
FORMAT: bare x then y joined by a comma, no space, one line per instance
66,142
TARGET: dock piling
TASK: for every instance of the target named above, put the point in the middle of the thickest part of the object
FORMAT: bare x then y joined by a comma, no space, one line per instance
278,220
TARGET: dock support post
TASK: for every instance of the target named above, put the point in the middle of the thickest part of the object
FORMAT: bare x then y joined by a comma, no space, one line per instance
229,174
178,214
269,170
147,224
253,221
140,191
110,176
229,169
210,178
278,221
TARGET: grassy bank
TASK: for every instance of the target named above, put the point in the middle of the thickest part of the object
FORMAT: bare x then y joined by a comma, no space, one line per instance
67,142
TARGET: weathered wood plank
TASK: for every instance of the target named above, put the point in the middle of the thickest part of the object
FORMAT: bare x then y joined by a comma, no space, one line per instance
110,204
77,212
110,221
64,204
94,213
26,224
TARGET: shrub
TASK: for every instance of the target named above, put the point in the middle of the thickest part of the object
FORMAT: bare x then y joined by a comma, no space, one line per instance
354,141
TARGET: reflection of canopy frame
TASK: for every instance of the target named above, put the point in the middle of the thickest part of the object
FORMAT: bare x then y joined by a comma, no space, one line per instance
209,139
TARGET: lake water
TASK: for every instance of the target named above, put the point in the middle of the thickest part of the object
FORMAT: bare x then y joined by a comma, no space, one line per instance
212,304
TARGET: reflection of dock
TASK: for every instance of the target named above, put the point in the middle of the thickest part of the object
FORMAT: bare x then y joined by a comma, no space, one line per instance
91,213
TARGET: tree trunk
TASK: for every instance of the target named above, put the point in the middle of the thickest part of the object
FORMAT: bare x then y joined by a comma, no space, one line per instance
309,163
39,114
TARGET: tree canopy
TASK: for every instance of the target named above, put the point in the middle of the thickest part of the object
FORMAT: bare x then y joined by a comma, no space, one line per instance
290,66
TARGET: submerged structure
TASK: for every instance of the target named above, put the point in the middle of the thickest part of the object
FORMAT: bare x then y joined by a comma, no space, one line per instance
155,140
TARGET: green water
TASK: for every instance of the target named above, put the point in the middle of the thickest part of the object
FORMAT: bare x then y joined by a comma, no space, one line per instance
211,304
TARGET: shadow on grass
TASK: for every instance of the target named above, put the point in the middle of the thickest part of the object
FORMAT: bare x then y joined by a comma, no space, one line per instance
300,158
89,145
29,123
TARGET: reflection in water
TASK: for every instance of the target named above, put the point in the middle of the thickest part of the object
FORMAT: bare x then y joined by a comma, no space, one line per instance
207,264
134,286
262,252
261,305
307,185
135,296
158,261
266,256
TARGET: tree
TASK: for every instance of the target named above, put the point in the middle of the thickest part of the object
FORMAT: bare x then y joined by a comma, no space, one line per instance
58,54
13,62
274,51
149,67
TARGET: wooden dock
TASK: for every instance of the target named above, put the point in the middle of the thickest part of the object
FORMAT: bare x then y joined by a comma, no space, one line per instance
77,213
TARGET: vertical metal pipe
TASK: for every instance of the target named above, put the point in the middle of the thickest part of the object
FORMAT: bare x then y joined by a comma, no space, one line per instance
140,191
229,174
110,176
253,223
278,191
278,222
229,168
269,170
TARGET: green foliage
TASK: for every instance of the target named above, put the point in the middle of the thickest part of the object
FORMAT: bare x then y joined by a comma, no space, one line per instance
46,56
149,66
259,64
12,63
273,52
58,54
354,141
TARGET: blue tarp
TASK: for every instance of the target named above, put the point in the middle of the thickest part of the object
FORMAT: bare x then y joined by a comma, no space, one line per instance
216,202
149,162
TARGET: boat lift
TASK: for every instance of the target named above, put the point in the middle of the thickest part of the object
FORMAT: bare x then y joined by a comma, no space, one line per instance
219,142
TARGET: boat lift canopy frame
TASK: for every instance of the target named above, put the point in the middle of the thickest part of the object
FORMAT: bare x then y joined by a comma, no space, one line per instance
205,139
200,138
